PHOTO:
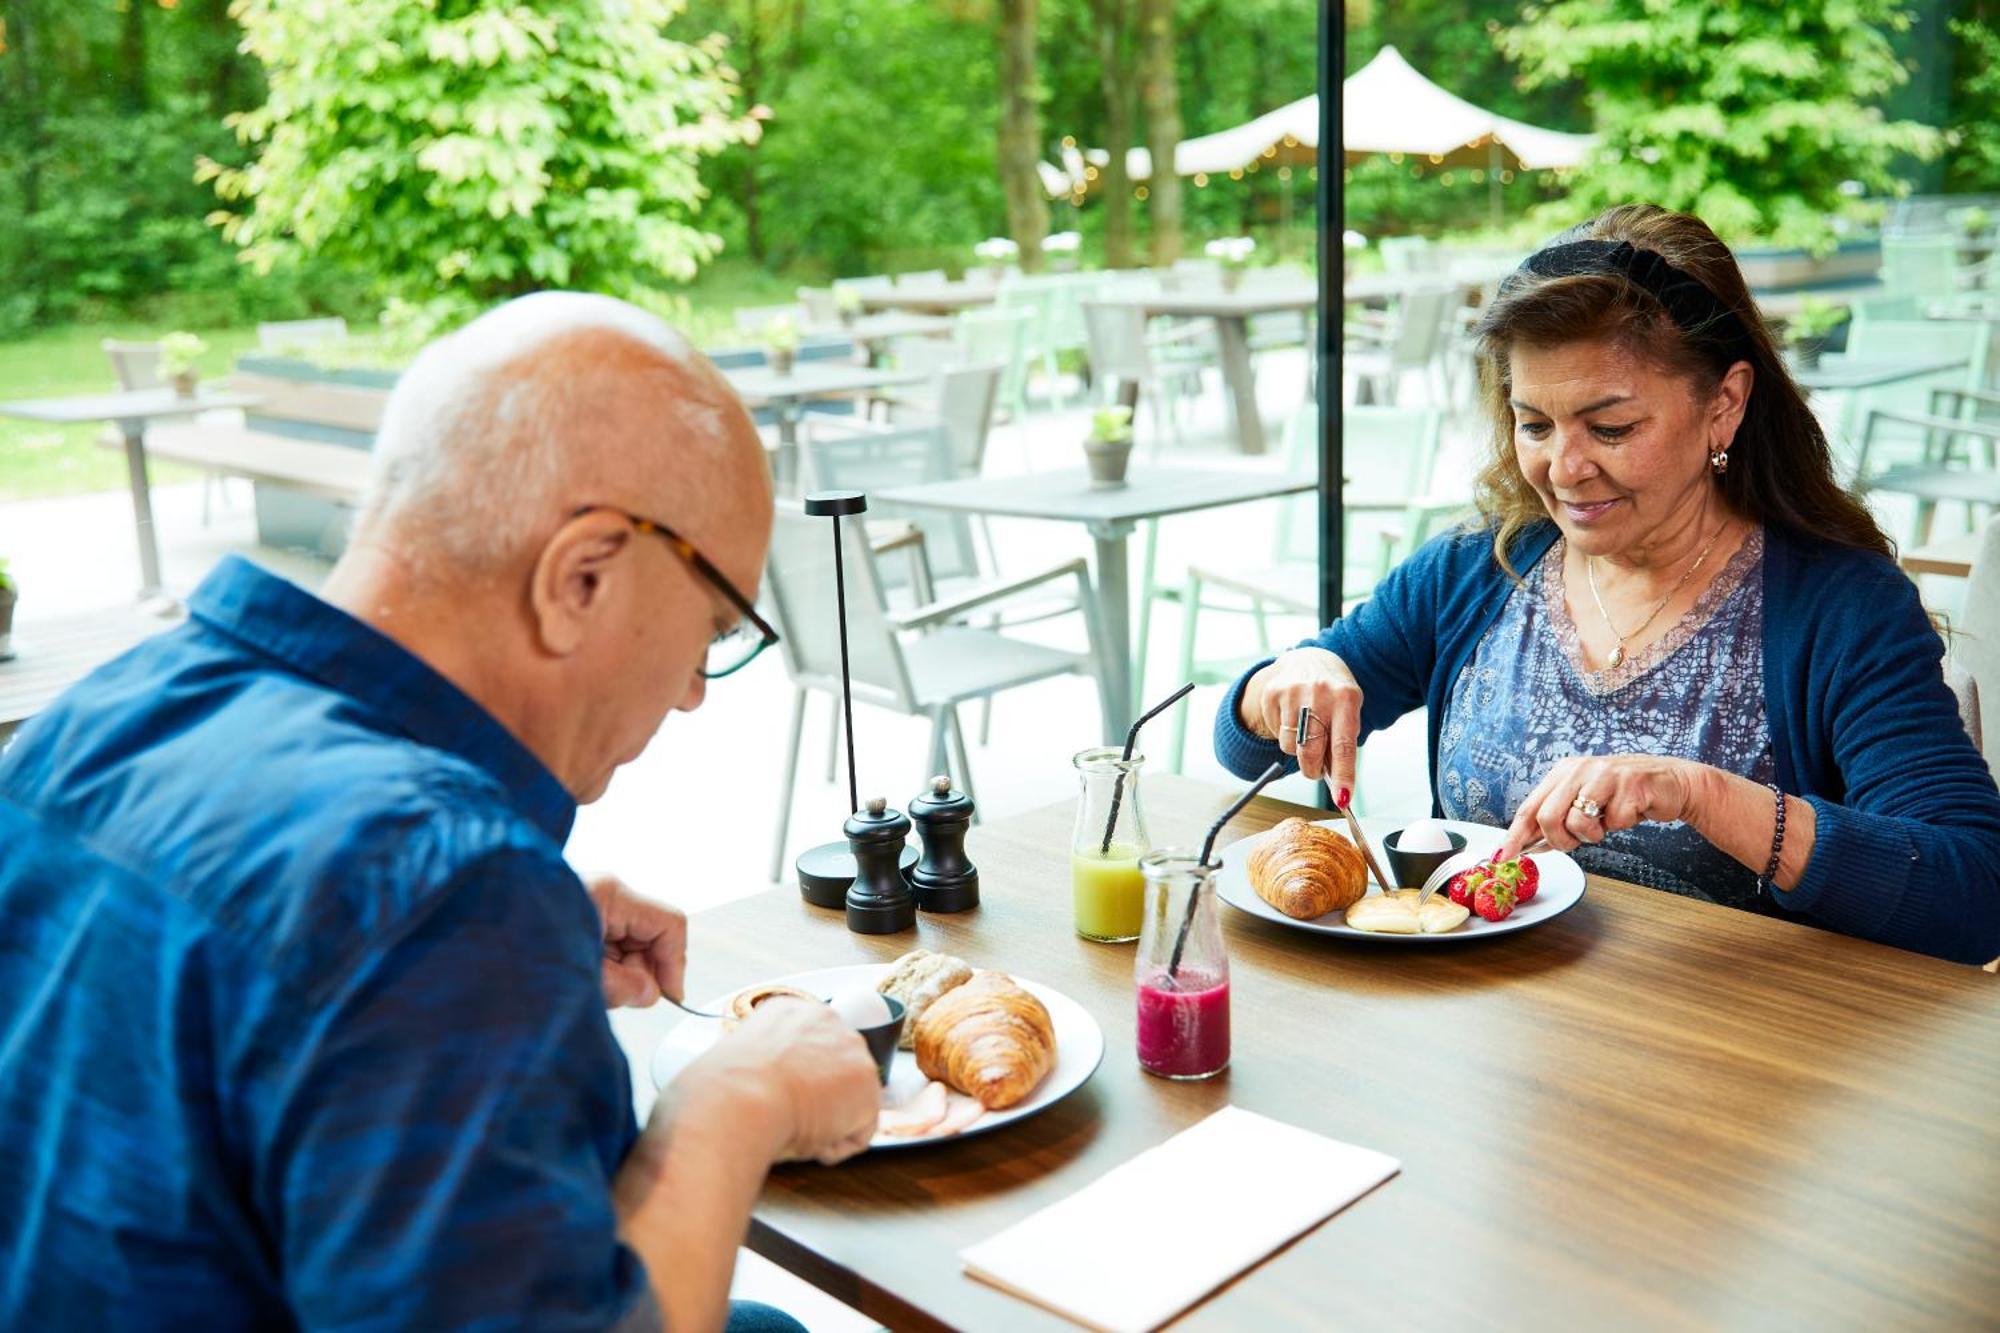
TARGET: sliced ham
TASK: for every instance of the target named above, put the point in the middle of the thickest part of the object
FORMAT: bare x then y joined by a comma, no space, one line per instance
961,1113
919,1115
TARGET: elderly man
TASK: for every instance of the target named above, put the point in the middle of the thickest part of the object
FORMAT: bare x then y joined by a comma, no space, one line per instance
301,1010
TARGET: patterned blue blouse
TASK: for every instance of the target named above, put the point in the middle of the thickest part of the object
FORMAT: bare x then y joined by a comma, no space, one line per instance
1526,700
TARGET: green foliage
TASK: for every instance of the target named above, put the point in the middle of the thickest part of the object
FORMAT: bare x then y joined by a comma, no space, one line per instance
1111,424
1749,113
180,352
478,149
1974,164
7,580
1815,319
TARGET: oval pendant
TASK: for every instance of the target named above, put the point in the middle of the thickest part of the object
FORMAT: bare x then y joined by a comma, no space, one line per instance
1617,657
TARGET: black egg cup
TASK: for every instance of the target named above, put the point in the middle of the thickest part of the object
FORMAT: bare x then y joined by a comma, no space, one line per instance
1411,869
882,1038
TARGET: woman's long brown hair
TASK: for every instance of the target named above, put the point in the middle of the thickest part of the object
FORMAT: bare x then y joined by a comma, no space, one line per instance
1780,469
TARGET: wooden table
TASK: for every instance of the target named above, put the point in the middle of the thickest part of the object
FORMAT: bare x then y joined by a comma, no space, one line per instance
875,332
761,386
1231,312
1951,557
52,655
130,410
1110,516
1651,1113
935,298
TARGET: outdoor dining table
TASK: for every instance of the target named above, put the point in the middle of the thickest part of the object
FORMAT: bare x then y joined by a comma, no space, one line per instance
1872,372
937,298
130,410
49,656
1110,516
1231,313
874,332
787,394
1650,1112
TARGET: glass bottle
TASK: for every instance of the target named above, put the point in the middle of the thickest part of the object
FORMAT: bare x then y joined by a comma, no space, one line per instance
1110,837
1182,970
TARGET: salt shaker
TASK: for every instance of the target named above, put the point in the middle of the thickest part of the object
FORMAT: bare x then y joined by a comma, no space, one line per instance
944,879
880,903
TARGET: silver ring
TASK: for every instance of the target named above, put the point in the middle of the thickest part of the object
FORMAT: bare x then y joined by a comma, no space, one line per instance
1586,807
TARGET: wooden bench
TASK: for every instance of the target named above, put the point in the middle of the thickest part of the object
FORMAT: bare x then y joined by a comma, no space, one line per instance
330,471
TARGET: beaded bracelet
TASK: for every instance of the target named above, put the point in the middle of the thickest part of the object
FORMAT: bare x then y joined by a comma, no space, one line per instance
1769,878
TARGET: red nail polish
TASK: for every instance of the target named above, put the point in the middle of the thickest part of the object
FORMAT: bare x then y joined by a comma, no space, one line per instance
1342,798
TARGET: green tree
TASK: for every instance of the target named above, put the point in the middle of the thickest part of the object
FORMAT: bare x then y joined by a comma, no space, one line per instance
1750,113
1975,166
476,149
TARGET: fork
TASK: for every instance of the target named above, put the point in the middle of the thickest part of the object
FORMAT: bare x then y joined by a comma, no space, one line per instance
1465,860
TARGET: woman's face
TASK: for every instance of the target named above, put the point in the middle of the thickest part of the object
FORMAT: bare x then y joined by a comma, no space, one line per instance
1617,448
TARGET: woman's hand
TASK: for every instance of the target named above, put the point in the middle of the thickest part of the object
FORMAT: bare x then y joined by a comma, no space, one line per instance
1309,678
1624,789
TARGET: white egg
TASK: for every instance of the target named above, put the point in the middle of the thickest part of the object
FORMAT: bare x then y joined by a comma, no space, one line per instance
861,1009
1426,835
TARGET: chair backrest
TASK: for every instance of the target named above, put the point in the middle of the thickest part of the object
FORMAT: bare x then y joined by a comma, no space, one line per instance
1198,274
1067,293
865,456
997,337
880,282
1422,326
800,592
286,335
966,396
1387,454
755,318
1410,254
1915,340
1033,297
1115,335
136,365
1925,267
819,304
1975,643
923,277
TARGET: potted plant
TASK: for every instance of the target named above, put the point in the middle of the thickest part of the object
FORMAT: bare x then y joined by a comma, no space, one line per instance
998,252
1109,447
1234,254
1806,331
1975,223
9,594
180,357
781,343
846,306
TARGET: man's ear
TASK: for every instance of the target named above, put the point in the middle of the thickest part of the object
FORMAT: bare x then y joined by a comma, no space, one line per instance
568,584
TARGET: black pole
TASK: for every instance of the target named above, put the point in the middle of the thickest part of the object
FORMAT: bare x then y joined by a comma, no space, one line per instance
1332,207
846,688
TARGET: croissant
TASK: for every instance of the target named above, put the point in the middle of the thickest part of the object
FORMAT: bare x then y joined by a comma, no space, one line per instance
1307,870
988,1039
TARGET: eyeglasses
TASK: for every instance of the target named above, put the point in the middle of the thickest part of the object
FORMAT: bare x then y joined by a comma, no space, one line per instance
734,648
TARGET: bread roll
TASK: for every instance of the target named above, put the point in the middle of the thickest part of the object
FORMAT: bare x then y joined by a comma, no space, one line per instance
917,979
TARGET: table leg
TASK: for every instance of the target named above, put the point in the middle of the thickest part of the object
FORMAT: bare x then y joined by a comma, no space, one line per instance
1232,336
788,446
1114,616
134,433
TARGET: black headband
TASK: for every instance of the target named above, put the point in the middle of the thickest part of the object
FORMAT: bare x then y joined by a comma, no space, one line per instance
1690,304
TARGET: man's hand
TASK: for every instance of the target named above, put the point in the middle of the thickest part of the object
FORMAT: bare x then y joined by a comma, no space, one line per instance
645,945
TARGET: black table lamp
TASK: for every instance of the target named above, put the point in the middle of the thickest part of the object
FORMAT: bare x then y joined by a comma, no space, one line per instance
827,872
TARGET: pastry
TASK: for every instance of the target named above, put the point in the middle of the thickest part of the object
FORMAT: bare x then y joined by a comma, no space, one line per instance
741,1003
1398,914
989,1039
917,979
1307,870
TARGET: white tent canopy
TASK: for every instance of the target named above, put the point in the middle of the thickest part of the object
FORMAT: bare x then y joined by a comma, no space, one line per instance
1386,107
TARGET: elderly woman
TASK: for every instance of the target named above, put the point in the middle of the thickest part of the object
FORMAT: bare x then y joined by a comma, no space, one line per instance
1674,646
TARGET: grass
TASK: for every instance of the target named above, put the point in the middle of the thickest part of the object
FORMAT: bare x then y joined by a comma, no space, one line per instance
39,460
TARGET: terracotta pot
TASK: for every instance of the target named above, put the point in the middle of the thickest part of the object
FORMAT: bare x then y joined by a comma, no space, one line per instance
8,597
1232,278
1805,355
186,383
781,361
1107,460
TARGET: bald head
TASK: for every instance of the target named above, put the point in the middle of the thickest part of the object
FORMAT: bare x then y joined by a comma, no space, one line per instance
503,429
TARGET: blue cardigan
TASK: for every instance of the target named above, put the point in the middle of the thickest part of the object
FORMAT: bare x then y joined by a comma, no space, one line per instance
1863,726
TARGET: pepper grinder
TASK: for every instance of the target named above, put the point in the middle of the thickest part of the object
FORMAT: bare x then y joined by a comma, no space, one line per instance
944,880
880,903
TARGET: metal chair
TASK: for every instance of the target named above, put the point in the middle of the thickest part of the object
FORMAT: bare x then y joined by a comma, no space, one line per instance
1416,343
136,365
892,664
819,305
998,336
1122,353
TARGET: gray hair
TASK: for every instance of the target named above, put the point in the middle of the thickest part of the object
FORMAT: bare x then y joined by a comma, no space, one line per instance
487,428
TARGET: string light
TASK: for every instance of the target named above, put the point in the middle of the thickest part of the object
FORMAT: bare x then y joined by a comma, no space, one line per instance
1506,178
1477,176
1236,174
1284,173
1200,179
1140,192
1395,159
1437,159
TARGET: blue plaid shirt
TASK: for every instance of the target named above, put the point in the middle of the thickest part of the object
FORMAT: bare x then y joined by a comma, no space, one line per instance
300,1014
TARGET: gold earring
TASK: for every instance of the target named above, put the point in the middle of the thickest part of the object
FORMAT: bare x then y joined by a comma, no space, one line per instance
1718,461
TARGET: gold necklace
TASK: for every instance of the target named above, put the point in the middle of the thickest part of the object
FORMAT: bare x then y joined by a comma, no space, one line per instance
1617,657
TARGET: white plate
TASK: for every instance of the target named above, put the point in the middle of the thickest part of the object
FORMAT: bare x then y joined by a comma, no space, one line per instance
1079,1049
1561,889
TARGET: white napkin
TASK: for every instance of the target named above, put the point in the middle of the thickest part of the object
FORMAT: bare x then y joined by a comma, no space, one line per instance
1146,1240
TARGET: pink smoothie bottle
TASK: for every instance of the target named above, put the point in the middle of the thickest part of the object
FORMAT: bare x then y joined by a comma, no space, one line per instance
1182,970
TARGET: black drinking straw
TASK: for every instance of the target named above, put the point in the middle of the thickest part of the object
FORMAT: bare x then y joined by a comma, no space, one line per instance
1264,779
1132,739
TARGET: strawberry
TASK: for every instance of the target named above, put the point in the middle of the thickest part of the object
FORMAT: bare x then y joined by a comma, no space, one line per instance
1494,901
1522,876
1460,887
